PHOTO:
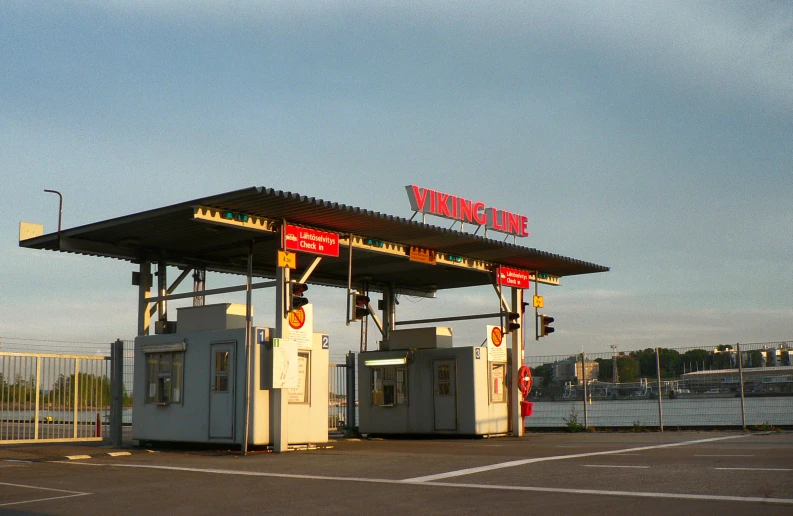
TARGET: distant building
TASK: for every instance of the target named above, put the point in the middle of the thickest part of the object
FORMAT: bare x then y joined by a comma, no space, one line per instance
571,369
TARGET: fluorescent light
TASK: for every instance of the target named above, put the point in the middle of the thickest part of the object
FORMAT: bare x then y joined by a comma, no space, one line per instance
385,361
171,347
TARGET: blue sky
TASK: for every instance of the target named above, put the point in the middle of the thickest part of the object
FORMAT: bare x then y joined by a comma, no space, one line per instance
654,138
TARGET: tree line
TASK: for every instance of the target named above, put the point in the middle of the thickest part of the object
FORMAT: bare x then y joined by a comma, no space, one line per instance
89,390
634,365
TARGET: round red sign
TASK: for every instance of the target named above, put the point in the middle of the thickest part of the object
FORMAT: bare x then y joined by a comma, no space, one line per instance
496,336
297,318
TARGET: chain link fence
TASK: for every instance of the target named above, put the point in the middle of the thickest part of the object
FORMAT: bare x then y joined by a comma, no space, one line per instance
740,385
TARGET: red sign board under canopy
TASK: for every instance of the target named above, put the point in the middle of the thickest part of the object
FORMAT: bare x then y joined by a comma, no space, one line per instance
310,241
509,277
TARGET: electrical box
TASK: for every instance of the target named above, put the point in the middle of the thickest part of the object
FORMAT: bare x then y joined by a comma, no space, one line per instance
419,338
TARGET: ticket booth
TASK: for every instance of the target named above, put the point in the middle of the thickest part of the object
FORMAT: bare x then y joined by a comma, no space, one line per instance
421,385
189,386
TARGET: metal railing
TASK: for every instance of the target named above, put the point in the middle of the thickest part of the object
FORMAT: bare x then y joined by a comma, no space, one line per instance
342,407
740,385
52,397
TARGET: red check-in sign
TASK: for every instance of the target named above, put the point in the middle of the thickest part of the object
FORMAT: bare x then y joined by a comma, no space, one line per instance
509,277
311,241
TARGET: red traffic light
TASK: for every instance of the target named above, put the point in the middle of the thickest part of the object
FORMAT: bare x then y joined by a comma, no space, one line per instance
545,325
298,289
360,306
512,321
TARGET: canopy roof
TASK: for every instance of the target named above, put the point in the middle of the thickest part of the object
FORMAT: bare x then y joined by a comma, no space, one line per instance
173,234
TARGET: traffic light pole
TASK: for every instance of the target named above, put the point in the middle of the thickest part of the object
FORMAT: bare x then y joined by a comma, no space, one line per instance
516,339
536,310
279,407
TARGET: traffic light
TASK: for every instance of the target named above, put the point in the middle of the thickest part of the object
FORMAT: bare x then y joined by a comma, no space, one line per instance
545,325
297,291
513,323
360,306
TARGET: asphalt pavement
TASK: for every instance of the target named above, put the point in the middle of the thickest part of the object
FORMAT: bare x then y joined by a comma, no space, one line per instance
561,473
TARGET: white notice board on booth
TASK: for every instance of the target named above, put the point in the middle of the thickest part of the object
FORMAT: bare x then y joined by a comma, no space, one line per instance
496,348
299,327
286,368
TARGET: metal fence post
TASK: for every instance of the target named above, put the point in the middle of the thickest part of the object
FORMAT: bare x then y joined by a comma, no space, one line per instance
660,394
116,391
740,378
351,423
583,376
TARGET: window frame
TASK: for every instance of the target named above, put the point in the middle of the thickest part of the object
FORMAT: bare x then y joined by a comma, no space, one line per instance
173,374
491,382
389,377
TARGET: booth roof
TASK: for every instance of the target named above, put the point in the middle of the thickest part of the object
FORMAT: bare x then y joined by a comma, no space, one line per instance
171,234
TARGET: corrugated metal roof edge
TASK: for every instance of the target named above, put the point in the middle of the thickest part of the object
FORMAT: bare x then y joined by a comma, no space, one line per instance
42,241
395,218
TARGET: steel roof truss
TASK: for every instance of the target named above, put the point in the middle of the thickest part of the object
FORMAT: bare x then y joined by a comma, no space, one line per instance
310,269
170,290
223,290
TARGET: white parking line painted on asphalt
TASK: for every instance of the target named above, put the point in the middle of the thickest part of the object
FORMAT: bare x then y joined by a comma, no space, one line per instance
640,494
757,469
522,462
613,466
71,494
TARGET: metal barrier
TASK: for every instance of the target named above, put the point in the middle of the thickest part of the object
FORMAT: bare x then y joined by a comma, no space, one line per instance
742,385
342,409
53,397
337,396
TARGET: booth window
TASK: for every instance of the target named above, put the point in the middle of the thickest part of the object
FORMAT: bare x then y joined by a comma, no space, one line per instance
389,386
444,381
164,373
498,384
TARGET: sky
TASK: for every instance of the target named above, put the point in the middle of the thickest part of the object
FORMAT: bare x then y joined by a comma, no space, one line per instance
655,138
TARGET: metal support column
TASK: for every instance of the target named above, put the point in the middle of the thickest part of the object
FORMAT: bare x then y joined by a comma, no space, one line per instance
116,392
279,402
583,376
162,291
516,339
248,338
389,312
740,377
351,426
660,394
144,293
199,285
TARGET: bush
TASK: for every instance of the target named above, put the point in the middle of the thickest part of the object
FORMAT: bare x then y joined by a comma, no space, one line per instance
573,424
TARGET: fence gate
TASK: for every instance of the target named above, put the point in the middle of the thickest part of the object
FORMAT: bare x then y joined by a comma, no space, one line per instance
53,398
341,395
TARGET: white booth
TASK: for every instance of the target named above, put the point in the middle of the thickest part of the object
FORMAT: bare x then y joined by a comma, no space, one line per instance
189,386
421,385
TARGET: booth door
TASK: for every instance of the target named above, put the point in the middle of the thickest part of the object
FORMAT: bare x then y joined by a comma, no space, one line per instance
444,374
221,394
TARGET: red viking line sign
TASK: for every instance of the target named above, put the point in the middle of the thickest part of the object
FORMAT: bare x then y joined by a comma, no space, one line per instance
457,208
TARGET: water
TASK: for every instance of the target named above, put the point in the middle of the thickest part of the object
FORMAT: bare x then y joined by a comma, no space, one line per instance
699,412
677,413
65,415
